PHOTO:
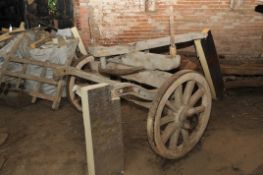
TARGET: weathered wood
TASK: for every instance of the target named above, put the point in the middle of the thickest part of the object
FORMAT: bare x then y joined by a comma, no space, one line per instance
212,59
81,46
244,83
152,78
103,130
203,61
35,62
39,42
149,61
103,51
39,84
243,69
18,81
5,37
29,77
172,48
42,95
188,64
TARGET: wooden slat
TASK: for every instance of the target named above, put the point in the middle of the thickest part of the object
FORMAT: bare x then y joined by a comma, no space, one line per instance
244,83
39,84
30,77
58,95
18,81
35,62
243,69
5,37
81,46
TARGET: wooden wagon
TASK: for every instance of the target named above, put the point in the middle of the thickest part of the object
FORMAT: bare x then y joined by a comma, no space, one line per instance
179,102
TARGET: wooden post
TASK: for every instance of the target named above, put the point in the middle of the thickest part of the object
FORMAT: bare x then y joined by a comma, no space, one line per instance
173,46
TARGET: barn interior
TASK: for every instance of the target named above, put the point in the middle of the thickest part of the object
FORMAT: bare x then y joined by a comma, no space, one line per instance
160,87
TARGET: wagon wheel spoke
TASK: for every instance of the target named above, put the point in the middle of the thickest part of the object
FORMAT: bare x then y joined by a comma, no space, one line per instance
185,135
168,131
171,106
195,110
178,96
174,139
196,96
188,91
187,125
166,119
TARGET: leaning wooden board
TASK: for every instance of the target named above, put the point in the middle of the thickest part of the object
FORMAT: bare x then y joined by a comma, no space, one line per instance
210,63
103,130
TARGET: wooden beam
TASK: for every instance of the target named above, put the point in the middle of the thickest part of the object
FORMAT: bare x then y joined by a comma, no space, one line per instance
5,37
244,83
103,51
243,69
39,42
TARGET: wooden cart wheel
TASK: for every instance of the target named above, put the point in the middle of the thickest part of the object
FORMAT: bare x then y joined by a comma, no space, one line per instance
179,114
72,80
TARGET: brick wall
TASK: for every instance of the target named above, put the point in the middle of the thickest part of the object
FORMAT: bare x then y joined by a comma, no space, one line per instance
237,31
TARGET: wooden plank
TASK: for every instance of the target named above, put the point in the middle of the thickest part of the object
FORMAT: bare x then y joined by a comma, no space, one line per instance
42,95
151,61
154,78
244,83
18,81
103,51
34,62
208,57
5,37
243,69
211,56
205,67
151,78
81,46
29,77
39,42
103,130
58,95
39,84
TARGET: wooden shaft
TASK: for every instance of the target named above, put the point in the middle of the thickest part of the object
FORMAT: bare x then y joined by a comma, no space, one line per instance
30,77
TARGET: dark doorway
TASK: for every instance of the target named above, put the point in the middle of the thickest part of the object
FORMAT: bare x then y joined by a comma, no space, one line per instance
11,12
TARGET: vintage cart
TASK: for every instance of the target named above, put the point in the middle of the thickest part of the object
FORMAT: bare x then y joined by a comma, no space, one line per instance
179,102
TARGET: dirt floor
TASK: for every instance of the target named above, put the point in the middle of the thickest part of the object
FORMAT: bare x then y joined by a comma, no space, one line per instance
46,142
